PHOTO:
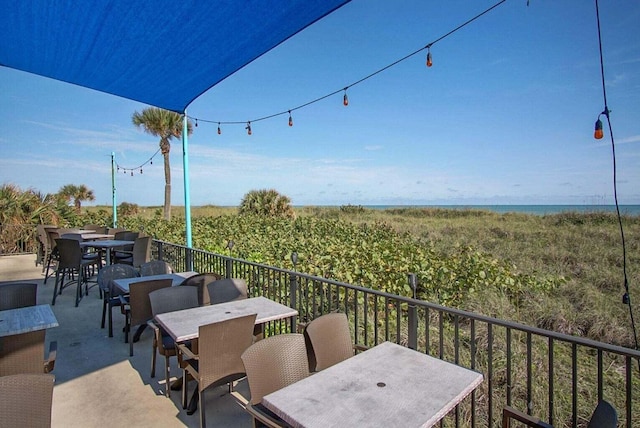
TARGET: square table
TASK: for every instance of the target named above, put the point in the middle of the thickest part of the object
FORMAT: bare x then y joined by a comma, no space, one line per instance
183,325
387,385
123,284
107,244
26,319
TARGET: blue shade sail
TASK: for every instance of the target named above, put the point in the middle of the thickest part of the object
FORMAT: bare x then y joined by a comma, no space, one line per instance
163,53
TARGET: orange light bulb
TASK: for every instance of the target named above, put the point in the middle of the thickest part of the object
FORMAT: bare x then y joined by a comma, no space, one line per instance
248,128
219,130
290,120
598,133
429,60
345,99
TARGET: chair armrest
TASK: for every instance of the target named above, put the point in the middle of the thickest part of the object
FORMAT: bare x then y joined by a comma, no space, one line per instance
186,351
360,348
50,362
240,399
509,413
263,417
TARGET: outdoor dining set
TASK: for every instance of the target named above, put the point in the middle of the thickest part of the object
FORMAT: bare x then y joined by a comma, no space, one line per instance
305,375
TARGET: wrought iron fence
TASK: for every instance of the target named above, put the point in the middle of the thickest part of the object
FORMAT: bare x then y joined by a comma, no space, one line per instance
554,376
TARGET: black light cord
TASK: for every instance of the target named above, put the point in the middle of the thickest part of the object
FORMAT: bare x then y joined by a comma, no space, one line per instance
288,111
626,298
120,167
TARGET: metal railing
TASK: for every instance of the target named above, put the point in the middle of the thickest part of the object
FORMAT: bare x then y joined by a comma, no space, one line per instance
556,377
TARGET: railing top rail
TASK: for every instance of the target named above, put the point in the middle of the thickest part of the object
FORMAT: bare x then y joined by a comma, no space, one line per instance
629,352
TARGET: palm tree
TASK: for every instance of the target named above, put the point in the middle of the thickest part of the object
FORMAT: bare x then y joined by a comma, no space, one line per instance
166,125
77,193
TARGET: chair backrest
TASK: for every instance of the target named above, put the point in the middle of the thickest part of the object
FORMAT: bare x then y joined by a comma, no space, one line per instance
17,295
604,416
25,400
155,267
226,290
172,299
141,251
107,274
139,299
43,236
70,253
330,339
220,347
125,235
114,230
52,235
96,227
275,362
201,281
22,353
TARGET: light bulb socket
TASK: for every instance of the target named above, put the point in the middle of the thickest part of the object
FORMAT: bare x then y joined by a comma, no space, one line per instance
625,299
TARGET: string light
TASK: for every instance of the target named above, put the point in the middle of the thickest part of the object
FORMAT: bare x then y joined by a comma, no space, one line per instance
598,133
345,98
126,170
196,123
290,119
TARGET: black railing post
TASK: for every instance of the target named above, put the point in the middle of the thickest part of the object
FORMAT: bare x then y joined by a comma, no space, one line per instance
293,289
228,268
413,315
160,248
188,258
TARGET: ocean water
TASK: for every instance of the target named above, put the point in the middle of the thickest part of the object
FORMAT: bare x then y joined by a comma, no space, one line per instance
631,210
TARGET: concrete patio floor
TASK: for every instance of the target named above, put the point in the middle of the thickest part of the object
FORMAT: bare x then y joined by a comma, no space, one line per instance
97,383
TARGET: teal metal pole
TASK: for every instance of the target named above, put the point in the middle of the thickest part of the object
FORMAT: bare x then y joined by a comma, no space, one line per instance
113,189
185,165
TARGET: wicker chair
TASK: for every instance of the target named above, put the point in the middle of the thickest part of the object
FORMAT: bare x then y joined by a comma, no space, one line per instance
17,295
110,294
272,364
155,267
96,228
226,290
218,361
53,257
329,341
137,307
72,262
168,300
22,353
44,248
140,254
201,281
25,400
604,416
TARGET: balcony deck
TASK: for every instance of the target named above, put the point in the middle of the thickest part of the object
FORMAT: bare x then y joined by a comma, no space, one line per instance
97,383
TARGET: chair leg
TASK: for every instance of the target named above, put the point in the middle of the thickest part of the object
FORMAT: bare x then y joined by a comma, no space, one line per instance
166,375
203,422
55,289
104,310
184,388
154,348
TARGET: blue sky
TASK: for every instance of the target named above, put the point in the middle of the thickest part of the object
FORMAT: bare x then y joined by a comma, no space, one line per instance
504,116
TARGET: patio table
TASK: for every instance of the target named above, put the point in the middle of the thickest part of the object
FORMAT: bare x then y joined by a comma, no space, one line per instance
177,278
26,319
387,385
107,244
183,325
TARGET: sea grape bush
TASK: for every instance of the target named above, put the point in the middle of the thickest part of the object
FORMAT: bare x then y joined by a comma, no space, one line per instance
373,256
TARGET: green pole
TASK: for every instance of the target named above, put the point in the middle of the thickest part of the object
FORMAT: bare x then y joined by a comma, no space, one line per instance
113,189
185,164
